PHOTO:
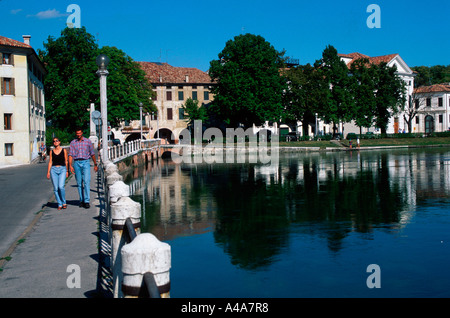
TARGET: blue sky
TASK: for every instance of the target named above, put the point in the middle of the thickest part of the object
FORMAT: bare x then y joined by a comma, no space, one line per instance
191,33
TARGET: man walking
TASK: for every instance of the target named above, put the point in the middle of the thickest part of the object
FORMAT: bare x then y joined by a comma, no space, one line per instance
81,150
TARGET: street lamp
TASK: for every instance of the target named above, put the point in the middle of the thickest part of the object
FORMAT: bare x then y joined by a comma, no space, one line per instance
102,63
140,111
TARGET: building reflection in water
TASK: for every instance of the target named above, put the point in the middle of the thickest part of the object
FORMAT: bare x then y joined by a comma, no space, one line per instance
253,209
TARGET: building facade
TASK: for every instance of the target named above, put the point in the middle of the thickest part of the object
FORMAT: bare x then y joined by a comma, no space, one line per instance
432,107
21,102
172,87
397,122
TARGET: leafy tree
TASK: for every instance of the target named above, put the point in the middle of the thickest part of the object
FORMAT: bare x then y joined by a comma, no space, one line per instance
250,86
69,84
304,93
127,87
363,91
389,96
72,83
436,74
338,103
194,112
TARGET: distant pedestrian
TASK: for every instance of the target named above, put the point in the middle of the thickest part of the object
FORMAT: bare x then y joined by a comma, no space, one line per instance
42,152
80,153
58,172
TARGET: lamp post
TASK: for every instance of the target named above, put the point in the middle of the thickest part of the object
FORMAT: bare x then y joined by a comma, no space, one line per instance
102,63
140,112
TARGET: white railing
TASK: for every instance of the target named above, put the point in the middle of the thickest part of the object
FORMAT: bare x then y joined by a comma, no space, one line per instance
119,152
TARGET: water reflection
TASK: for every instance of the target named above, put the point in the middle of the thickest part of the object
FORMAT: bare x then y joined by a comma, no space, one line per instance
254,210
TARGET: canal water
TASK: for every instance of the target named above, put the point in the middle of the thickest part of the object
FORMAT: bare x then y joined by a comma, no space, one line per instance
311,226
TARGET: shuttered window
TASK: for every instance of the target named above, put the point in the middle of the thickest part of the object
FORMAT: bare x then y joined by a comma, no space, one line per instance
7,86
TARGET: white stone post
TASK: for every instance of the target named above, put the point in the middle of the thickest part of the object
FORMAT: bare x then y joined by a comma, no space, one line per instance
121,210
146,254
118,189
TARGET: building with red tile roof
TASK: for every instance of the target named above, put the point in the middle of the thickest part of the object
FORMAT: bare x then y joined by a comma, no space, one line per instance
397,122
432,106
172,86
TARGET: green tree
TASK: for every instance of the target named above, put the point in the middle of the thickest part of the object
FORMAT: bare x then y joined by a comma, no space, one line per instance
430,75
69,84
194,111
126,87
390,95
338,103
304,93
250,87
72,83
363,91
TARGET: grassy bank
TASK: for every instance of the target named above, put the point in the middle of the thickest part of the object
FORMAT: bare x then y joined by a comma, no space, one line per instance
420,142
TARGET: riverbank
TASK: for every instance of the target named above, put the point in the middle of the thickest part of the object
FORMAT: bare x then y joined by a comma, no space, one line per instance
369,143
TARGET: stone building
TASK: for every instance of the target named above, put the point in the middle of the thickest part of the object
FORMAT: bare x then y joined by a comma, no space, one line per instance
173,86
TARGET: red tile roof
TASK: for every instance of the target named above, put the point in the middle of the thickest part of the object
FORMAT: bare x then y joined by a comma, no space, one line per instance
444,87
11,42
165,73
372,60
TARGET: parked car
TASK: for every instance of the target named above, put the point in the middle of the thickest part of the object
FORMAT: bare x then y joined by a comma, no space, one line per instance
292,136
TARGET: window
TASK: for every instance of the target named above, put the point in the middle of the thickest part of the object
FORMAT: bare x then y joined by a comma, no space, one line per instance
168,95
428,102
180,95
440,102
9,149
417,120
7,124
441,119
7,86
205,95
194,95
7,58
180,113
416,101
169,114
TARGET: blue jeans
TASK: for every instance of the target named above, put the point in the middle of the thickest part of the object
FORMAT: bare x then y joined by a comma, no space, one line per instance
58,177
83,176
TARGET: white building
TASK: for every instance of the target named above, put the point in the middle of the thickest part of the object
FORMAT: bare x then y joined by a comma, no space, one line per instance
432,104
397,123
22,103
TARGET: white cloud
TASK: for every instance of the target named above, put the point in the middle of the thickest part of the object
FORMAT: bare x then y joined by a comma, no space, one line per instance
15,11
49,14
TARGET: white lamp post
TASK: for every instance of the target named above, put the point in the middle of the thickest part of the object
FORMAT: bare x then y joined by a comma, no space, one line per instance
140,111
102,63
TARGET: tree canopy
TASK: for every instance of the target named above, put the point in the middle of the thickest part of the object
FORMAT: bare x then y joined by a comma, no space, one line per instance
250,87
72,83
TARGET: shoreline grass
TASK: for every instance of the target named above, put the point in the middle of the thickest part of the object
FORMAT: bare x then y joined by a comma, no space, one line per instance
382,142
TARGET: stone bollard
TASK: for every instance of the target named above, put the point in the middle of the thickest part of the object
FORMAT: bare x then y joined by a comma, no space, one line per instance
146,254
118,189
112,178
121,210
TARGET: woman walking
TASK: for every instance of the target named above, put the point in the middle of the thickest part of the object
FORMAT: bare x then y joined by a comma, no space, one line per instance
58,172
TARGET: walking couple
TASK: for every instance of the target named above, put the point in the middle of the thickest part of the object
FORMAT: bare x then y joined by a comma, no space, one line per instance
80,152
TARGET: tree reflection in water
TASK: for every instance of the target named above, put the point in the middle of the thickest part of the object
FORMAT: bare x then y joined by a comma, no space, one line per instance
253,209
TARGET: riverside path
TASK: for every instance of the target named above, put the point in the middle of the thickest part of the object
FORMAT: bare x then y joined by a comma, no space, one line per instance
46,253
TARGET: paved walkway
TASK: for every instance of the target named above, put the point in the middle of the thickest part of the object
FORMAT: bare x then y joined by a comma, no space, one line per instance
57,256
